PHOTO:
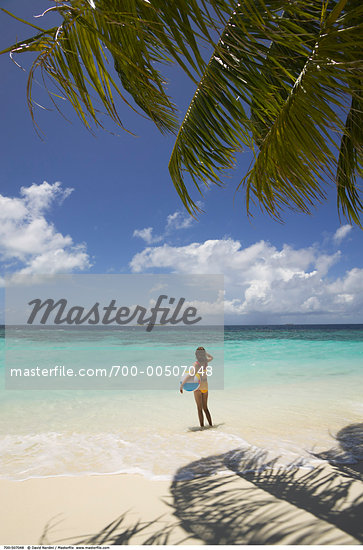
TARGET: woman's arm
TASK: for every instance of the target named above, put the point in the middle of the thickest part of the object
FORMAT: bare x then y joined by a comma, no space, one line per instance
209,357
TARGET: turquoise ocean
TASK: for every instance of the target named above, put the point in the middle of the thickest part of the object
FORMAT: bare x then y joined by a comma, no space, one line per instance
288,390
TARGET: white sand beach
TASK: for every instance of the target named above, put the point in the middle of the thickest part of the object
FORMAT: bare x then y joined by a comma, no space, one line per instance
300,507
67,510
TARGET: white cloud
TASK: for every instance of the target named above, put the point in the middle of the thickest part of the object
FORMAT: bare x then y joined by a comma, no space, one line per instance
39,197
263,282
30,242
178,220
348,289
341,233
146,235
174,222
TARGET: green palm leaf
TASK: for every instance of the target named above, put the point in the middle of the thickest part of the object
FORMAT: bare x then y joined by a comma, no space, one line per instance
135,36
280,82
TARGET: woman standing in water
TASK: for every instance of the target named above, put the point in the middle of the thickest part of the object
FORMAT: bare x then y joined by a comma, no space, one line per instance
201,394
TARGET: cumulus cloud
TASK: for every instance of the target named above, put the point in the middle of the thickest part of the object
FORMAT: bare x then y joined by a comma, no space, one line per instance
146,235
262,281
38,198
174,222
28,241
341,233
178,220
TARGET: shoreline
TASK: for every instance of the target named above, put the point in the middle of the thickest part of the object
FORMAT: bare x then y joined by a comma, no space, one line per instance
265,507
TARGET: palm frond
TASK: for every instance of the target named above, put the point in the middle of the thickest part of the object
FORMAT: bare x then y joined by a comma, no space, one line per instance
282,66
135,36
280,82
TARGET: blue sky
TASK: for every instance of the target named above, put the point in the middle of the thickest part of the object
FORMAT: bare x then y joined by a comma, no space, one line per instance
108,206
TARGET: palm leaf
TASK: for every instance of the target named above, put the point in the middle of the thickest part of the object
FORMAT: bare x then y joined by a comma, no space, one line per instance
279,82
135,35
350,158
282,66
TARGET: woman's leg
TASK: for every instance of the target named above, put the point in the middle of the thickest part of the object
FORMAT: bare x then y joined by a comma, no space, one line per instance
205,407
199,402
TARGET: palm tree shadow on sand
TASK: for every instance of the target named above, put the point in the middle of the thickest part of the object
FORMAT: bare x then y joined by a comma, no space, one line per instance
116,533
347,456
243,497
271,507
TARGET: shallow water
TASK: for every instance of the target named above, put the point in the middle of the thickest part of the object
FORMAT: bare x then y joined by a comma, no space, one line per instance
286,389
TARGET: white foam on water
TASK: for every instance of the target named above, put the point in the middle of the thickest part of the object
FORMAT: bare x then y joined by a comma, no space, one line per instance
158,455
154,455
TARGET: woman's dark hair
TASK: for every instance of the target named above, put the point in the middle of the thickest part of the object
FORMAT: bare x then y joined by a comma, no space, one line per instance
200,354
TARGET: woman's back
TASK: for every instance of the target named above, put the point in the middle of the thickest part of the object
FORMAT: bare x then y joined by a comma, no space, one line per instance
201,370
